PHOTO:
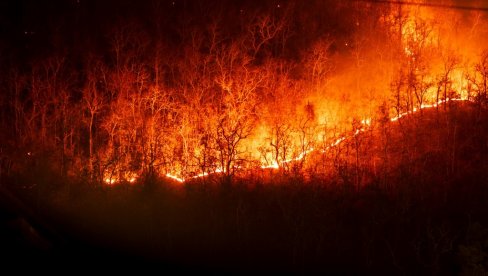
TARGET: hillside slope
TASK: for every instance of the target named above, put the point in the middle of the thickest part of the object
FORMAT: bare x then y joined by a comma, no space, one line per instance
421,208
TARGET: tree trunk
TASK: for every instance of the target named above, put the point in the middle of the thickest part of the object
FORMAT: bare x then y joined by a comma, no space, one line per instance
90,161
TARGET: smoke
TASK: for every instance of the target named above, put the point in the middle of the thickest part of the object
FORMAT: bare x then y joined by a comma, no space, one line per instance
370,58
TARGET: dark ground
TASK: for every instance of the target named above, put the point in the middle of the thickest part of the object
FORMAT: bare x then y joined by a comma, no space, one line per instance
426,223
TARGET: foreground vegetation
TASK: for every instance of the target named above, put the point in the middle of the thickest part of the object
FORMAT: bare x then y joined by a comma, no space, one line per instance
428,213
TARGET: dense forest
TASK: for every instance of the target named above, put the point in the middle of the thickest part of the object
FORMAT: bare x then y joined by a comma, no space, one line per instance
336,136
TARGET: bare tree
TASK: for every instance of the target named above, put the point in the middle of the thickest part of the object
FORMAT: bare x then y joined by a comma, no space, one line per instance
478,80
264,29
236,118
318,63
307,128
397,86
413,80
450,62
278,113
93,102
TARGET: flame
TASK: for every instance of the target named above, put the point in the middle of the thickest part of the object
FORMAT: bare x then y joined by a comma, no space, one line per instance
459,83
113,178
182,179
408,52
426,106
174,177
366,124
110,180
274,165
263,149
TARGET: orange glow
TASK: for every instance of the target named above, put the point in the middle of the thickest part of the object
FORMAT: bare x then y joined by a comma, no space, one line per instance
116,178
365,122
174,177
291,119
110,181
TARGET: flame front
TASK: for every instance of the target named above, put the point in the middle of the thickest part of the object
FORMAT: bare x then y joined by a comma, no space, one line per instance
251,99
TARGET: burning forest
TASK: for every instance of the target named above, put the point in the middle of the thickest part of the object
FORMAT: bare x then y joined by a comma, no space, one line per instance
356,130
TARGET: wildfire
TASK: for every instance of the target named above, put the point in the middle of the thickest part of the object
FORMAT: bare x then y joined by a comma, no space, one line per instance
425,106
181,179
366,124
285,135
174,177
112,178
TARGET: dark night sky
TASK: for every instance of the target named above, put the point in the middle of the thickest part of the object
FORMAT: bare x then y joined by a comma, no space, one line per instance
35,29
30,28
